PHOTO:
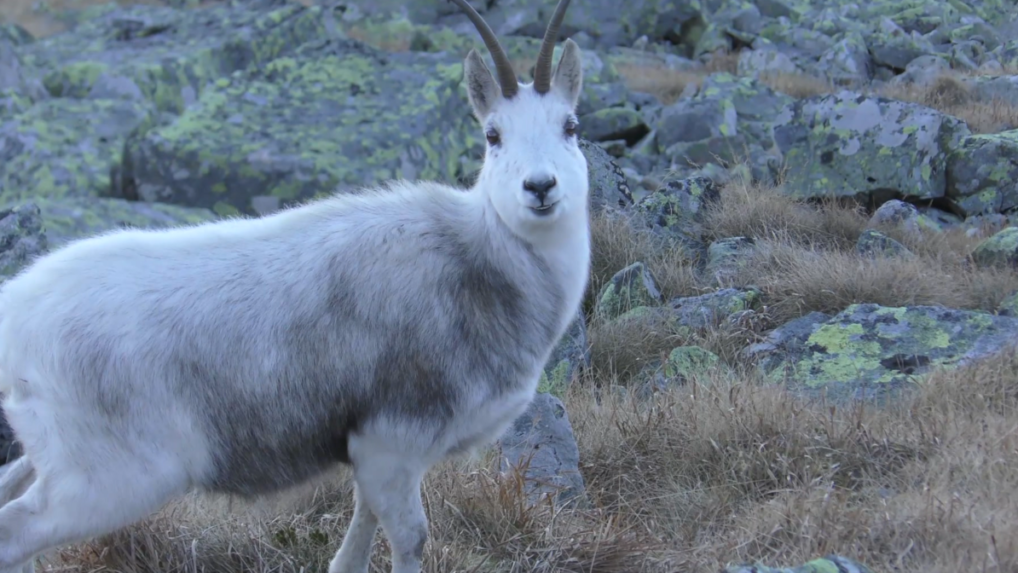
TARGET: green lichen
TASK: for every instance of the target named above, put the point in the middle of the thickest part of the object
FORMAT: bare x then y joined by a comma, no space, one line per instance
331,115
632,287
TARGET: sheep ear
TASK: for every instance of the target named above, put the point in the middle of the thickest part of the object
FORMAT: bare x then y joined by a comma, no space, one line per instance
568,80
482,89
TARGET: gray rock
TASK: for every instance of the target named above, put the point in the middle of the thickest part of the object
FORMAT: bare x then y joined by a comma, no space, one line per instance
869,352
568,360
22,238
631,287
874,244
851,145
609,187
725,258
542,442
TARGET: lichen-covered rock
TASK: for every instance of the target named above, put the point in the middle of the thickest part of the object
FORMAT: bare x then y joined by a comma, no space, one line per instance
676,210
874,244
870,352
613,123
725,258
706,310
896,213
1009,306
727,117
70,218
765,61
897,51
17,91
165,55
608,184
828,564
849,145
683,364
847,62
542,443
632,287
999,250
22,238
567,360
66,147
15,34
981,173
333,115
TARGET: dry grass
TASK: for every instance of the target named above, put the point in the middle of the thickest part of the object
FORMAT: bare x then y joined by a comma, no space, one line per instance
949,94
798,86
723,471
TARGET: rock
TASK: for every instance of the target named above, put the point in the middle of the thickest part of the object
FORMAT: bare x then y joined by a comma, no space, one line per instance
333,115
608,184
899,50
613,123
66,147
869,352
1002,88
21,239
706,310
542,441
851,145
727,117
1009,306
570,356
999,250
676,211
874,244
923,70
829,564
15,34
765,61
168,56
70,218
725,258
17,91
683,364
981,172
895,213
847,62
632,287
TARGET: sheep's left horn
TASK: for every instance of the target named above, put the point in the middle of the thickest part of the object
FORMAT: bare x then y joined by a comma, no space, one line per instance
542,70
504,69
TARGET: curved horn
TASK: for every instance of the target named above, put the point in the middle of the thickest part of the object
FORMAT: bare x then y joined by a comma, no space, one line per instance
506,75
542,70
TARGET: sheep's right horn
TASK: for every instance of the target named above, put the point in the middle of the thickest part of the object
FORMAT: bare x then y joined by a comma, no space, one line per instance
542,70
504,69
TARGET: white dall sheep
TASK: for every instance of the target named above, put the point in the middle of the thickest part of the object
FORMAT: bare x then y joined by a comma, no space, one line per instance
386,330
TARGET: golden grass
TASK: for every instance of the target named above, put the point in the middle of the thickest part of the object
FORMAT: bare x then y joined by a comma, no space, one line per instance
950,95
722,471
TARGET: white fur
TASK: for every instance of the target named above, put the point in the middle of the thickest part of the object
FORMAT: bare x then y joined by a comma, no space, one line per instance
86,471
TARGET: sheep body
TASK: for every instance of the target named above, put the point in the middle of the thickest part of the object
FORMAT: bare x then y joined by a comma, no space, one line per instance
387,330
248,350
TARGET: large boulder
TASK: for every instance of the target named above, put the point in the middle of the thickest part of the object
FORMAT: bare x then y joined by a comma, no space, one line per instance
852,145
333,115
69,218
164,55
66,147
981,173
870,352
542,444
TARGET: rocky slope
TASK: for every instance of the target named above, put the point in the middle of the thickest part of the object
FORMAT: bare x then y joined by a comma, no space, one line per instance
161,115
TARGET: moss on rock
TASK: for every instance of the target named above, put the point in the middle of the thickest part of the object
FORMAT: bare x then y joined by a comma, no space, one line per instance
333,115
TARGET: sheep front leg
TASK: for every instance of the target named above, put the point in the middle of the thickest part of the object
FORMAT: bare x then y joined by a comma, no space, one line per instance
354,554
389,483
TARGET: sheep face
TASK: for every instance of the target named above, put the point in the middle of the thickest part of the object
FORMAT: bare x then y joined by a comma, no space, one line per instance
534,171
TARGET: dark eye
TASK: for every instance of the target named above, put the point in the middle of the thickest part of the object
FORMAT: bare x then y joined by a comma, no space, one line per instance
492,136
570,127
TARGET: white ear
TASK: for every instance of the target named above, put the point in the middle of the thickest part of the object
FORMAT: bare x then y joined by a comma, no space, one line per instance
568,79
482,89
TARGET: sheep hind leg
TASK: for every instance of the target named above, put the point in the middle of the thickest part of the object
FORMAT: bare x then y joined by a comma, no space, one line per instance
390,483
70,506
354,554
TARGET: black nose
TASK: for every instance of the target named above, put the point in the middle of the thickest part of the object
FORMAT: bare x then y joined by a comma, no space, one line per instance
539,187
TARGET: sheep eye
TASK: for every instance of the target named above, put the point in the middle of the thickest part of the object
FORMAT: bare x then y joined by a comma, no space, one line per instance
492,136
570,127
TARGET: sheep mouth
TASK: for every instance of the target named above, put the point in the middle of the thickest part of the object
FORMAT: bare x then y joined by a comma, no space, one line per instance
544,210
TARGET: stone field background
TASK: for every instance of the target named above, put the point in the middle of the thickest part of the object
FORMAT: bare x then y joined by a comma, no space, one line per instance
796,353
